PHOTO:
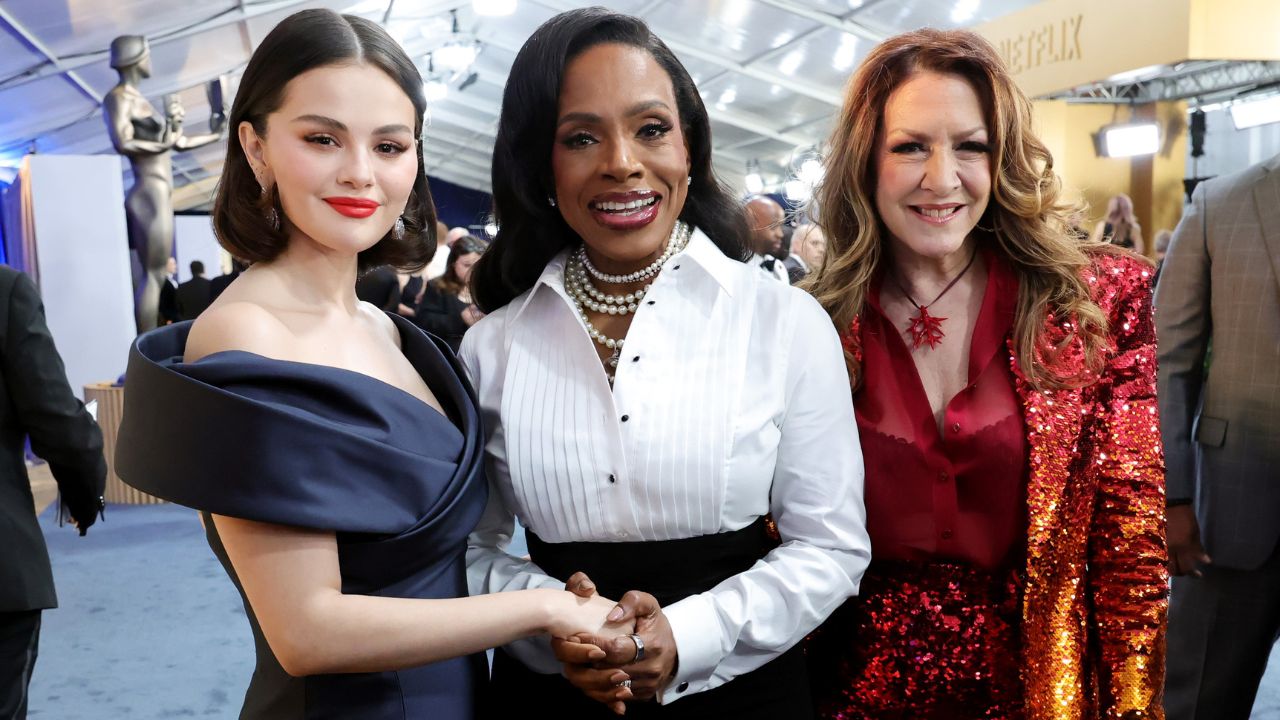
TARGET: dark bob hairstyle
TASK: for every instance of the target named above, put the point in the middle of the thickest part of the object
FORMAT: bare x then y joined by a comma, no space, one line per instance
531,232
304,41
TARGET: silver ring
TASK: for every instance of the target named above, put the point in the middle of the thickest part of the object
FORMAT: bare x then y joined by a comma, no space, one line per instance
639,648
625,684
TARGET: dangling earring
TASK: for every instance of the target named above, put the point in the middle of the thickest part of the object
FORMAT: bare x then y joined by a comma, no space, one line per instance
397,230
688,180
272,217
551,200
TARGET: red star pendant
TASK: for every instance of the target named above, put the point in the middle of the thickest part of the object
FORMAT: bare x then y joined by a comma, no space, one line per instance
925,329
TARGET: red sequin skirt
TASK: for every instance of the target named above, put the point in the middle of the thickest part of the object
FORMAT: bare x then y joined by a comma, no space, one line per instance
922,641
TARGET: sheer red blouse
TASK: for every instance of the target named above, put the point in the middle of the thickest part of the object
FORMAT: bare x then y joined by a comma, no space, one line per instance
958,495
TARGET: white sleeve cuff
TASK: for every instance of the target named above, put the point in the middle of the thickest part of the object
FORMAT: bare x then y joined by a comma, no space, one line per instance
695,625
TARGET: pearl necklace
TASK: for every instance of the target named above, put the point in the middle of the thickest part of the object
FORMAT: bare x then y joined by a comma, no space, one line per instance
579,286
679,236
585,295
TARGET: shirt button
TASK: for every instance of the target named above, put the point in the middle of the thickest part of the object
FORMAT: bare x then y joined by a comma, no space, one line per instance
621,533
650,302
676,267
635,359
943,476
955,427
946,534
613,478
626,418
682,687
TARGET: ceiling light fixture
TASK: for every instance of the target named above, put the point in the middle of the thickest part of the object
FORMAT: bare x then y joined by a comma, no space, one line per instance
435,88
1252,113
1127,140
791,62
847,54
797,191
754,181
458,52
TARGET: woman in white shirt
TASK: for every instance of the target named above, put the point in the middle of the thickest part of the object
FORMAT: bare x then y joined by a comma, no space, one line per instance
649,399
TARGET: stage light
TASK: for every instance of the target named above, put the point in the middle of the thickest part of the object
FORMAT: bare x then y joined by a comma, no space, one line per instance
1252,113
435,90
754,181
797,191
1127,140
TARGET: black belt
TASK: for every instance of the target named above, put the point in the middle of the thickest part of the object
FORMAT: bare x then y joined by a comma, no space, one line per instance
670,570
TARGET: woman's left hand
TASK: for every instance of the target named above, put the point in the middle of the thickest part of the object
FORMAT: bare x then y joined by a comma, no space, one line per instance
590,661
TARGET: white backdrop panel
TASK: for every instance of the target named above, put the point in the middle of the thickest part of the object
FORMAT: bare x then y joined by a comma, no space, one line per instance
82,251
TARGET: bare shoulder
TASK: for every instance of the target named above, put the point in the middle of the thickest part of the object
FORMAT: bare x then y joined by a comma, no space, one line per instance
378,319
237,325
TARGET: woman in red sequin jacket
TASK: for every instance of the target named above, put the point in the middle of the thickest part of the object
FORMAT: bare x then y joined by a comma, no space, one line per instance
1003,373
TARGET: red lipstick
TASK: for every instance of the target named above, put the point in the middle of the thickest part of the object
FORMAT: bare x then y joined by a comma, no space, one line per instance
353,207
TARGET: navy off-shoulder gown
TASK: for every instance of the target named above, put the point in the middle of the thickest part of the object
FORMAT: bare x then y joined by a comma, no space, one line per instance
311,446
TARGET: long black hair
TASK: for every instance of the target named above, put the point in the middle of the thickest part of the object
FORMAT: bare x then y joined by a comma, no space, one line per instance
304,41
531,231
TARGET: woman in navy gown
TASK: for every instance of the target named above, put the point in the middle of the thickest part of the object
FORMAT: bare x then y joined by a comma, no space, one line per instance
333,450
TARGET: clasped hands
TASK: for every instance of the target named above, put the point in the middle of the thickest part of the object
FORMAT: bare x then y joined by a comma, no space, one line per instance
600,663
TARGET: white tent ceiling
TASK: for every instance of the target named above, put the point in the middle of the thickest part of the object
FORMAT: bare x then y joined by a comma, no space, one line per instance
770,71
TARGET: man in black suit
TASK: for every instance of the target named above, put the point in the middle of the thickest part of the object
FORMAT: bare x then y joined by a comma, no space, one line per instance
168,307
35,401
381,287
194,295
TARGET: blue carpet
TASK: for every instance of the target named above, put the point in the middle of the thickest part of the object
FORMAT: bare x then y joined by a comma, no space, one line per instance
148,625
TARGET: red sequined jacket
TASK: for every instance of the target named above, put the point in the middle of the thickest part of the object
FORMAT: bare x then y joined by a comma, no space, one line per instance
1096,580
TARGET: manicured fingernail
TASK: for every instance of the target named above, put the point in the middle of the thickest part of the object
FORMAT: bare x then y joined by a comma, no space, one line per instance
616,614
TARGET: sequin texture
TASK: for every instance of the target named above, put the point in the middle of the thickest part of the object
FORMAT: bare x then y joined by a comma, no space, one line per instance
930,641
1095,583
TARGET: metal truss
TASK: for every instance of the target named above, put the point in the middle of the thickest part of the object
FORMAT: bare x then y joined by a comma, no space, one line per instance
1206,81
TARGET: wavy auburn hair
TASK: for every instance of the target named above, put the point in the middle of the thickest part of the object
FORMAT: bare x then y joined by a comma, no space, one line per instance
1027,216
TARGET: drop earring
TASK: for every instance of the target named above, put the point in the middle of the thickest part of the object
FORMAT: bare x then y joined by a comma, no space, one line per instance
551,200
397,230
272,217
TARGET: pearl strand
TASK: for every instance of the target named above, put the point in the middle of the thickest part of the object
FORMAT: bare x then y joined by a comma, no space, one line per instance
585,295
679,236
579,286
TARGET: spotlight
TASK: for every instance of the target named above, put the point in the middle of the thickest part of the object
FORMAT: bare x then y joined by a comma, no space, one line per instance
459,52
1255,112
753,180
1127,140
435,90
797,191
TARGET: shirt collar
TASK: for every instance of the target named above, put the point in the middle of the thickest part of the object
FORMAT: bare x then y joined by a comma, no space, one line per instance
700,251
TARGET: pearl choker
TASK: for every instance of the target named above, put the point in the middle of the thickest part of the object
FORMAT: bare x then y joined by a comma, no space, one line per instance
679,237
